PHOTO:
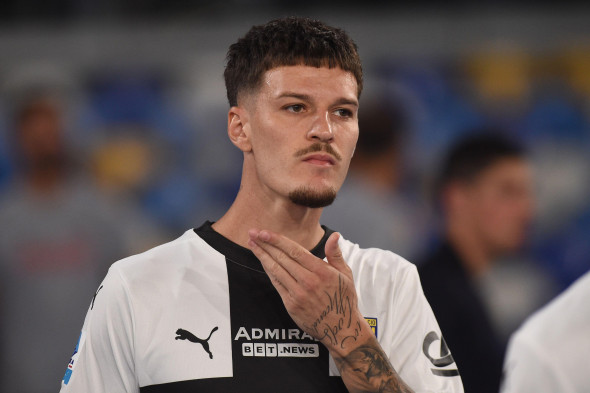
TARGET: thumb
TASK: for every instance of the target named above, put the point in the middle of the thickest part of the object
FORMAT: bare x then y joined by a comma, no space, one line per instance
333,253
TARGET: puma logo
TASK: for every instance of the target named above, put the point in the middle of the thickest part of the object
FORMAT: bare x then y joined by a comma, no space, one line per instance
186,335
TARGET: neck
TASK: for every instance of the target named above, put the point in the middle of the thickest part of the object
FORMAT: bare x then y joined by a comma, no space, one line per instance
474,254
46,180
253,210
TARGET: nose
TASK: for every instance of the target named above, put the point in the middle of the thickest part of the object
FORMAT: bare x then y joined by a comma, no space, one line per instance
321,129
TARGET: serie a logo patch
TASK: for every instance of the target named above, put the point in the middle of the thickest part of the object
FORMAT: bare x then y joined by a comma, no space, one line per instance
74,358
373,324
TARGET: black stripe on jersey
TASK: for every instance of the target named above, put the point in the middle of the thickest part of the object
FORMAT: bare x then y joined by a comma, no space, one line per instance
255,383
243,256
258,317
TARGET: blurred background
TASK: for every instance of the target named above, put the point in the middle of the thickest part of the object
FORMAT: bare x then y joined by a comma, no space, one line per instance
113,139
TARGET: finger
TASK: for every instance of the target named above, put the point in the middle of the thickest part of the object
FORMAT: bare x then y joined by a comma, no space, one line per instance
333,252
280,277
293,267
289,249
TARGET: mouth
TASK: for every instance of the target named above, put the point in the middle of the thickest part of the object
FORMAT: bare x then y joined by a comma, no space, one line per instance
320,159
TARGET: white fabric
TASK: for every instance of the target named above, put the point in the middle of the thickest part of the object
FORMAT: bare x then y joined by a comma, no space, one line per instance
549,353
382,277
144,297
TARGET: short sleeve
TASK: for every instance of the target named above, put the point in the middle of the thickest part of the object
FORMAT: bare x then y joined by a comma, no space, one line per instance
425,361
103,360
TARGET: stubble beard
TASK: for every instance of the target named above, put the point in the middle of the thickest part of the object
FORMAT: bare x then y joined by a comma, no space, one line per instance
309,197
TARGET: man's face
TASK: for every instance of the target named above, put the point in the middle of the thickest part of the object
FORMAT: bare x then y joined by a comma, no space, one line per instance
40,135
500,202
302,128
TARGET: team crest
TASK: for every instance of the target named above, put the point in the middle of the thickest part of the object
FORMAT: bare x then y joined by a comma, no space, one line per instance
373,324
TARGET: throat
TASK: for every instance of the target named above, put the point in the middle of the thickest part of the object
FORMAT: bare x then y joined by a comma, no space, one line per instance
300,224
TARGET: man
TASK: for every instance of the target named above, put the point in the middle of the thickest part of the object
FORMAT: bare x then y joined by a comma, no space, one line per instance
241,304
549,352
484,191
53,246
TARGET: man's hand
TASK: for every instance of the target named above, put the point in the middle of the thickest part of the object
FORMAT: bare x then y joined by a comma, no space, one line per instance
322,300
319,296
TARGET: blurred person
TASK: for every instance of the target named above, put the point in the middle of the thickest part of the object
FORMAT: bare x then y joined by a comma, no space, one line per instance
485,195
267,299
549,351
57,236
370,206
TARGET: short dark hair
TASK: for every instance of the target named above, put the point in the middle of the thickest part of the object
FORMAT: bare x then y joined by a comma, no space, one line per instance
470,156
286,42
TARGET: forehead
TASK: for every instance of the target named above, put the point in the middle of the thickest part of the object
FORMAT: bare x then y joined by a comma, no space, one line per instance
508,169
310,81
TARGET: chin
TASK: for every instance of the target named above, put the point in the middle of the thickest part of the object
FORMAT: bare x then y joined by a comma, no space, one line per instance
313,198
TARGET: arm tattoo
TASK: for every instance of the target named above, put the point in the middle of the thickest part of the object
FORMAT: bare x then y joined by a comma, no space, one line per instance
370,366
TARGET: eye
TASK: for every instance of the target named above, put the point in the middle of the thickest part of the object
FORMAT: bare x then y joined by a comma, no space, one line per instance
295,108
342,112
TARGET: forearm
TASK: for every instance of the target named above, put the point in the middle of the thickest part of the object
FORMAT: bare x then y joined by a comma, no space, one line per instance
366,368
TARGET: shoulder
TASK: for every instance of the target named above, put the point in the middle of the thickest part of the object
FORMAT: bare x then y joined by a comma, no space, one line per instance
549,351
148,281
164,260
566,316
377,264
441,258
374,256
442,274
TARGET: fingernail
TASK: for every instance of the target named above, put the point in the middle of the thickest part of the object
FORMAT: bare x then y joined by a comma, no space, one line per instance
264,236
253,233
252,244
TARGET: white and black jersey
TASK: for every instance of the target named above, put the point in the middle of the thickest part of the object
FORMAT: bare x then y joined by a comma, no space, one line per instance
199,314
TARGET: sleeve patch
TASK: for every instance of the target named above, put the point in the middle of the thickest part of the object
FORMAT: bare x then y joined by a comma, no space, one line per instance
74,358
442,359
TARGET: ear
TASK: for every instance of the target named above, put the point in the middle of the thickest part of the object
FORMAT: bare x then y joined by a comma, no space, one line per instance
238,128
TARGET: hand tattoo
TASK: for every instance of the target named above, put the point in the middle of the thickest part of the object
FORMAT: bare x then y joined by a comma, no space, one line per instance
371,365
339,304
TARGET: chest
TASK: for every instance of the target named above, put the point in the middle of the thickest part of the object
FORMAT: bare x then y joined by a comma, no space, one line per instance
227,330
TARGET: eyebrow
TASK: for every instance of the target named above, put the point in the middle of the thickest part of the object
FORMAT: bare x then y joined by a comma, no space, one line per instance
305,97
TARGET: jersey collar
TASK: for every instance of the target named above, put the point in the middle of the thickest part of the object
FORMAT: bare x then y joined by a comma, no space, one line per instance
243,256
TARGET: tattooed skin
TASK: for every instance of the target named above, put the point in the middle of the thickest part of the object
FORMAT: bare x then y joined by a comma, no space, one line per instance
322,300
340,305
369,366
366,368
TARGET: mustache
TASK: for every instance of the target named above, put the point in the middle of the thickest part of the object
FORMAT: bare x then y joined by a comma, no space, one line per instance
319,147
